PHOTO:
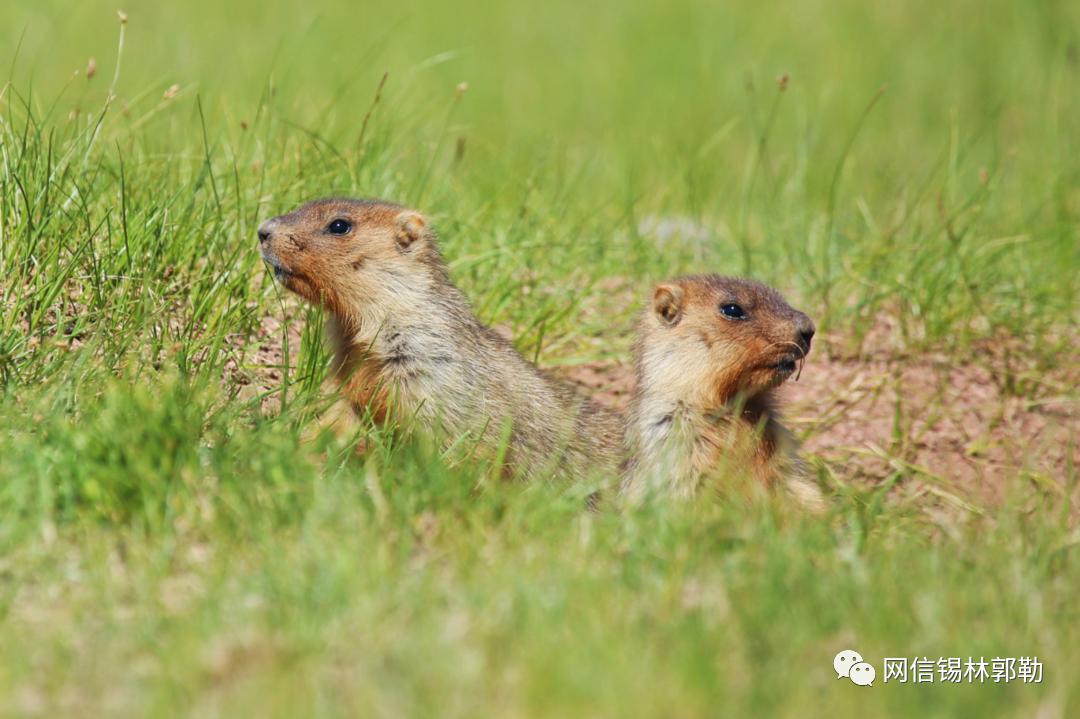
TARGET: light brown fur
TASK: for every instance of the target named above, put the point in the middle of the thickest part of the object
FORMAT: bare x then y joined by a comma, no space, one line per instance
409,350
705,405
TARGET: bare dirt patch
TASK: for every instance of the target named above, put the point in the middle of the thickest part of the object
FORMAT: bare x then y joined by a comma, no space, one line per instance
949,425
258,367
951,428
609,383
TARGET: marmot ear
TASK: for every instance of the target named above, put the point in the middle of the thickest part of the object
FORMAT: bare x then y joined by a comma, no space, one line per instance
668,303
409,227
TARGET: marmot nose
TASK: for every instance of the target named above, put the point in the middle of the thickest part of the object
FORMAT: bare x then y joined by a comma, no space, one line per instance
804,328
264,231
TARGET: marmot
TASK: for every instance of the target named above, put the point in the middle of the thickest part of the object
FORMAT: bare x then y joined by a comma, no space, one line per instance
408,348
709,352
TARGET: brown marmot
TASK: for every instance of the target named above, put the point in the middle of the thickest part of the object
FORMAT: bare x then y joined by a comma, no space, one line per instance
409,350
709,353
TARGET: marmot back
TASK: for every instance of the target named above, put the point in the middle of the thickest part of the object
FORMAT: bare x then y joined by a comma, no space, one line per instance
409,349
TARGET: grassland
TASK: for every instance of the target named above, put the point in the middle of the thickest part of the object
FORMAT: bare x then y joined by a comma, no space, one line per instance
907,173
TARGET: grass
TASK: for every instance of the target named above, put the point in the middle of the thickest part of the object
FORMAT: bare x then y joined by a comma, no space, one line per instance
169,545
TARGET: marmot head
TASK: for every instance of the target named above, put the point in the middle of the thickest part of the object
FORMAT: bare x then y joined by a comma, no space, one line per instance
352,256
707,339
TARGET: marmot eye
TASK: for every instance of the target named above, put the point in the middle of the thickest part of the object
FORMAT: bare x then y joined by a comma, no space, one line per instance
733,311
339,227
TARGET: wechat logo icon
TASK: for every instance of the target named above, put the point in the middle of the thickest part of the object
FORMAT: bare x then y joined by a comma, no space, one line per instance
849,664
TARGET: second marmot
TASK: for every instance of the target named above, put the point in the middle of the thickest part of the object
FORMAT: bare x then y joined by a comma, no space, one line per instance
710,352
